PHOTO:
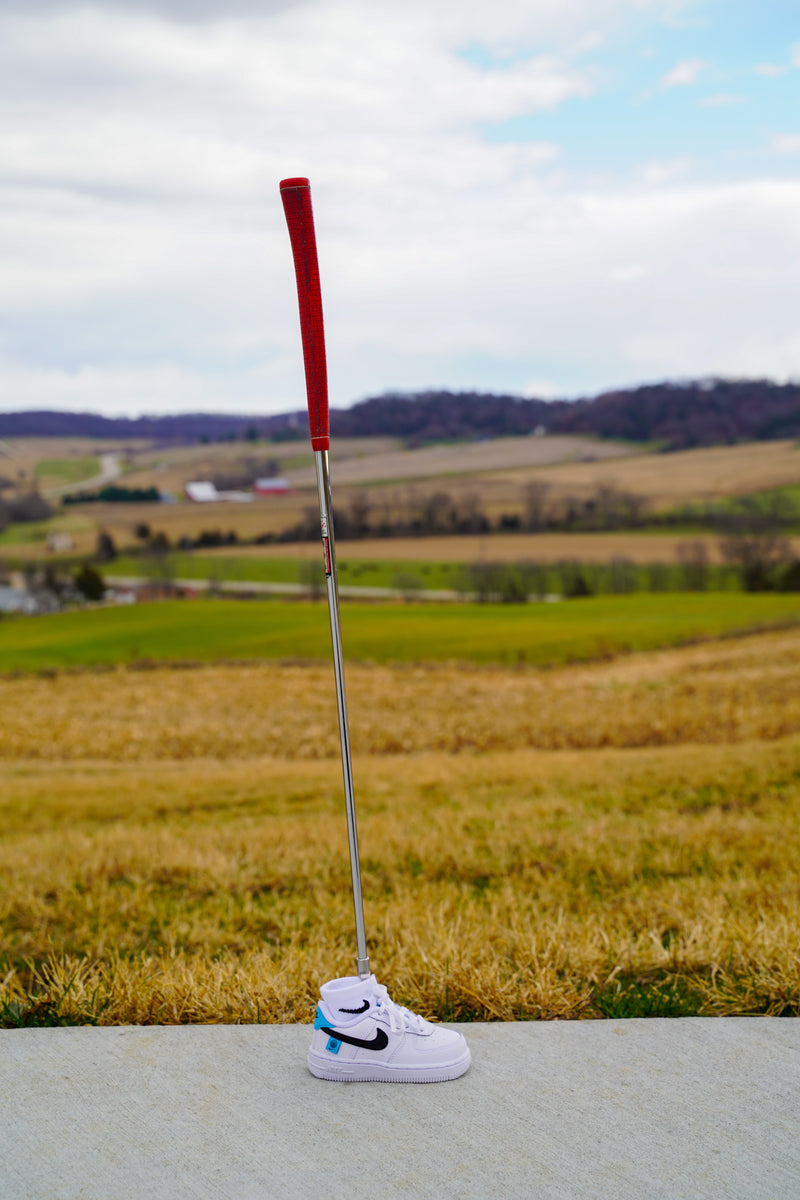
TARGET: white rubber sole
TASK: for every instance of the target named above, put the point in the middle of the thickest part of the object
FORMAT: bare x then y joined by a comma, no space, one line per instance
365,1072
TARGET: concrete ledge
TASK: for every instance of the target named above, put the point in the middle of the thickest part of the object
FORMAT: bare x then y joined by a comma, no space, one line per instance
618,1109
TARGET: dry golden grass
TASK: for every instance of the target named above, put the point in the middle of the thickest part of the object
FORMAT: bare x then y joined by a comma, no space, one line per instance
497,547
521,884
170,467
265,514
493,471
707,473
463,458
723,692
615,839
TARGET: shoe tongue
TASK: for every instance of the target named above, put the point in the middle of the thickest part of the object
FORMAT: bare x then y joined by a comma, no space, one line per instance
347,998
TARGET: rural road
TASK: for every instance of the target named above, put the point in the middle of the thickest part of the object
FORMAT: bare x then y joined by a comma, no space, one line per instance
282,589
691,1109
302,589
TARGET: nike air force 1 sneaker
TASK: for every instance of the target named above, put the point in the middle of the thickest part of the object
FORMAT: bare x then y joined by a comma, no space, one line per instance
362,1035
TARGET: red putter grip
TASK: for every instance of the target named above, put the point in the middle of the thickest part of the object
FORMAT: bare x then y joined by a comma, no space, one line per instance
296,196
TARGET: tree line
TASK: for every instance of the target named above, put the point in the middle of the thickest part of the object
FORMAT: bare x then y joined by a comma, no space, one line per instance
675,414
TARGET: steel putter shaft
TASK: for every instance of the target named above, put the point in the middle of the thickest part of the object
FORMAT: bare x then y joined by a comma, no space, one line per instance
296,197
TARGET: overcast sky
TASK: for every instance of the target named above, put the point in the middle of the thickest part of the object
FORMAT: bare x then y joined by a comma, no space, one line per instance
547,197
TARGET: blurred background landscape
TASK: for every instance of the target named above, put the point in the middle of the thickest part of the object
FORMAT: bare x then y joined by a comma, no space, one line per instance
573,682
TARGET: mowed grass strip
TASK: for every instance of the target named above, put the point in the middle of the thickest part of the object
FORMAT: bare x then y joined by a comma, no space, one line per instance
510,885
66,470
536,634
243,568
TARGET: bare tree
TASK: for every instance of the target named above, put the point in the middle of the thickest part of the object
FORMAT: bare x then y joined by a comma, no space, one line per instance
106,550
617,509
312,576
159,563
752,537
435,512
623,575
359,511
469,516
693,558
535,506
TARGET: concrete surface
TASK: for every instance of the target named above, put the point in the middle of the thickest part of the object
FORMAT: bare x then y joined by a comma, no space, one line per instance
629,1110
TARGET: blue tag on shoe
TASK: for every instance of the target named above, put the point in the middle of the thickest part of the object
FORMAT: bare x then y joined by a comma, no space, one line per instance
333,1045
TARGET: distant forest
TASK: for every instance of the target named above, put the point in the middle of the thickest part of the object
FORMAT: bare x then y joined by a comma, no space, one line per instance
676,415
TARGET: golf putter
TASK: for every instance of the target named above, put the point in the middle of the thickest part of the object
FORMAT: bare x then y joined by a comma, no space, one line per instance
296,197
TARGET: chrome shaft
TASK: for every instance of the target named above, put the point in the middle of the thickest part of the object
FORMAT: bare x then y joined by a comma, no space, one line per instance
326,521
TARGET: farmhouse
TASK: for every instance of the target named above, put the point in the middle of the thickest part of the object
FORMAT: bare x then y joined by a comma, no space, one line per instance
14,600
59,542
31,603
201,491
272,487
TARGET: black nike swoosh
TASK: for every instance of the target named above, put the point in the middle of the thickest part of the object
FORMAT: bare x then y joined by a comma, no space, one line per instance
356,1011
379,1042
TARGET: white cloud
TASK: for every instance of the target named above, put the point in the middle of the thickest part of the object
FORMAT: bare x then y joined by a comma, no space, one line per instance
540,389
131,390
785,143
632,273
684,73
771,70
146,264
721,100
177,112
657,173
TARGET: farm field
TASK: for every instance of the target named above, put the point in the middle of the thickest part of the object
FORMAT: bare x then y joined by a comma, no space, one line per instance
85,521
613,839
664,481
59,472
487,474
649,547
668,480
170,467
417,578
538,634
26,542
463,458
22,459
211,568
566,463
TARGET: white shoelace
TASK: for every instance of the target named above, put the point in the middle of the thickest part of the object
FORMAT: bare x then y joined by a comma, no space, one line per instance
400,1019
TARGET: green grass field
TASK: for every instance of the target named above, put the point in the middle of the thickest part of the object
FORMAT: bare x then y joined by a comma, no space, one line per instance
251,569
537,634
415,575
33,533
67,470
23,535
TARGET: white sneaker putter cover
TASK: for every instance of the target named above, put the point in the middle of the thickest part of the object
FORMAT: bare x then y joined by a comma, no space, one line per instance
362,1035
